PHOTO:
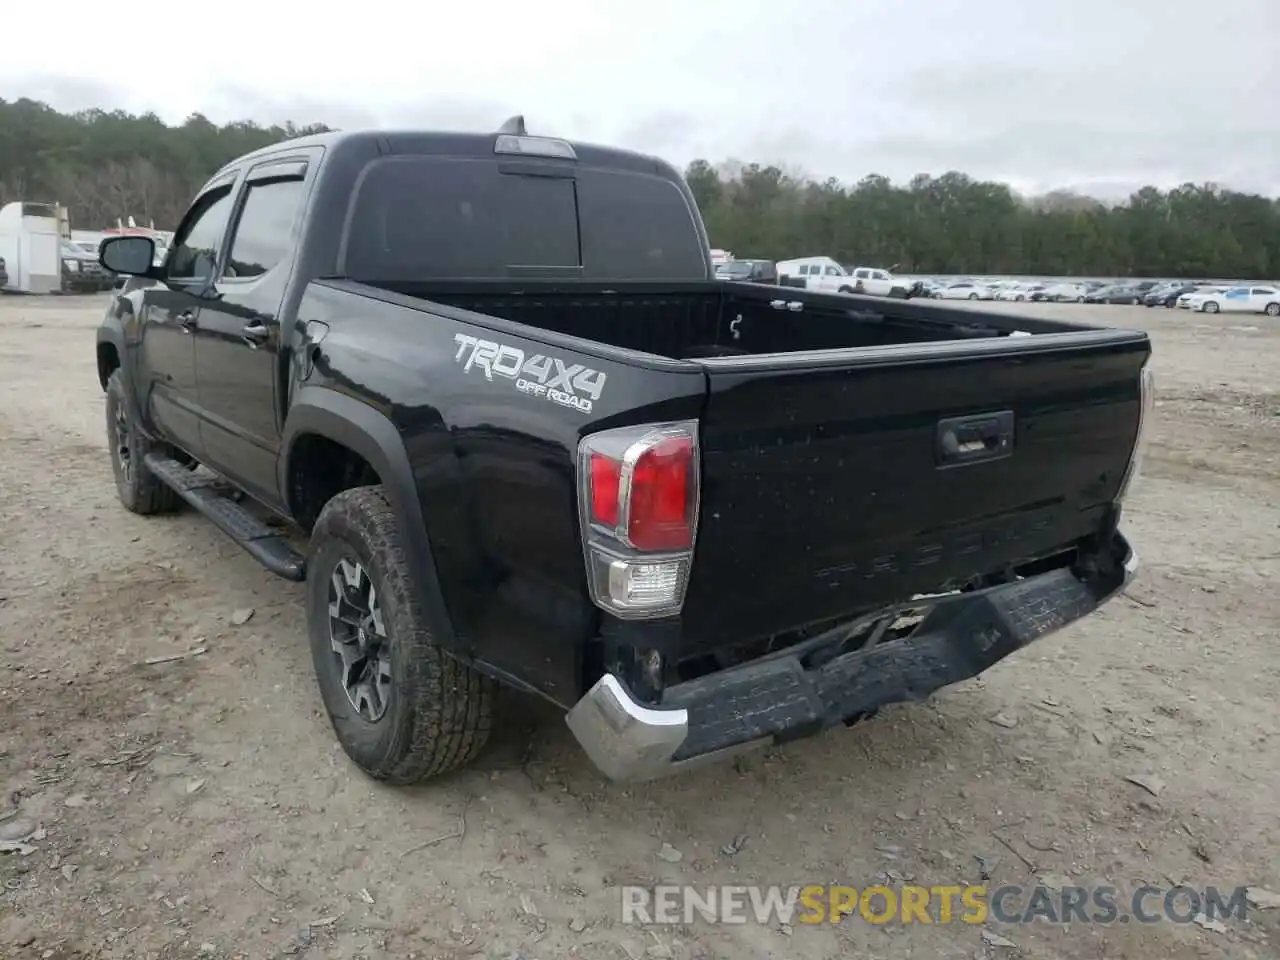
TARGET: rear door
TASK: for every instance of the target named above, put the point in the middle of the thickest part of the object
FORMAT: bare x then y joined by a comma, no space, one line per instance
840,481
1237,300
880,283
1265,300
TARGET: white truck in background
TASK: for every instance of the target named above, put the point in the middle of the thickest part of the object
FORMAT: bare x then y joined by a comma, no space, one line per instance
828,276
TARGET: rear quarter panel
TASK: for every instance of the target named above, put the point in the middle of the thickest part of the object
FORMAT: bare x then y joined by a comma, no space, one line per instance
493,460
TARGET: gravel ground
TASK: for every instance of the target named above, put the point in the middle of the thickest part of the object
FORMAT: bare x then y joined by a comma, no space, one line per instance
201,807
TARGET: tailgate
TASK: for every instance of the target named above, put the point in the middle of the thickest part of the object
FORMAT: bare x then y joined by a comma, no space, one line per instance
840,481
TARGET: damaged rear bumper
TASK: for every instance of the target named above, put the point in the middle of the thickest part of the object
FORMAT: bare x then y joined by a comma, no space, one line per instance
775,700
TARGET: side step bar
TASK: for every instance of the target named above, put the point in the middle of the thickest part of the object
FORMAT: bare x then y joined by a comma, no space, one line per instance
264,544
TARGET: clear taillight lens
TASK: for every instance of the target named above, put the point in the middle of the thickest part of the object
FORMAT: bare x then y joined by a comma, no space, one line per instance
639,489
1145,411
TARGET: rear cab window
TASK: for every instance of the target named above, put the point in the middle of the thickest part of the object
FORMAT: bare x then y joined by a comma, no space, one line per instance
436,218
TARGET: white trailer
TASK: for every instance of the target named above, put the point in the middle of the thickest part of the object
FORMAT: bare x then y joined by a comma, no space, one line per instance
30,238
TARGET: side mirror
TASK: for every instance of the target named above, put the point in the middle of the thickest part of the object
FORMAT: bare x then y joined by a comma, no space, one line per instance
131,256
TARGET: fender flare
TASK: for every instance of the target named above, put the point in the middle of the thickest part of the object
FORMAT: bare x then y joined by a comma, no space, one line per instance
371,434
110,333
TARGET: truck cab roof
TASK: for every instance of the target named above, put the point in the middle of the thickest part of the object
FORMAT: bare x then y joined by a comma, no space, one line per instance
451,143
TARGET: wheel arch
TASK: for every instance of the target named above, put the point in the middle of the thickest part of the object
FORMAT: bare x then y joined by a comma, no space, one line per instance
370,434
110,356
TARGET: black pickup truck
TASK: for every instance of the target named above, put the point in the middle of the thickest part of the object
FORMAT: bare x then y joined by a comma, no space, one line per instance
533,441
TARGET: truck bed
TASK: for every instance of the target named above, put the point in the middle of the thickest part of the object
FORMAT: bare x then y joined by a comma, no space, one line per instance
856,451
720,319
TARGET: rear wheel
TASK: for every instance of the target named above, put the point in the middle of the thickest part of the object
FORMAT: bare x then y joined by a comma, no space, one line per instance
846,290
138,489
973,296
402,709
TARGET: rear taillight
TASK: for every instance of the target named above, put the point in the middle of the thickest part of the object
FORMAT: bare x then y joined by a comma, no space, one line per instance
1146,408
639,508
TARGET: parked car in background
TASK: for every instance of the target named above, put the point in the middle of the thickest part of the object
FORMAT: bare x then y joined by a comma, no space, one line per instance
1241,300
1167,295
1020,292
825,274
1063,293
749,271
81,272
965,290
1115,293
1192,299
805,270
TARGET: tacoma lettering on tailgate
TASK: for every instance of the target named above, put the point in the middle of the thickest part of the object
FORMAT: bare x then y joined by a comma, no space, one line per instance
570,385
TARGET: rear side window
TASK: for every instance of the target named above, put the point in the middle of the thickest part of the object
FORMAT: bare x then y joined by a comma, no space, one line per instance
439,219
264,234
432,218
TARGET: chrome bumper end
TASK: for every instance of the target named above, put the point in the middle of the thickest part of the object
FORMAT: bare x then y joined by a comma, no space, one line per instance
624,739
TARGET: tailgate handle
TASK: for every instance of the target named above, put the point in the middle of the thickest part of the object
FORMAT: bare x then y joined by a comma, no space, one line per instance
974,439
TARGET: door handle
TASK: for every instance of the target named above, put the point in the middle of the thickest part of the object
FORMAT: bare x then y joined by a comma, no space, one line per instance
187,320
255,334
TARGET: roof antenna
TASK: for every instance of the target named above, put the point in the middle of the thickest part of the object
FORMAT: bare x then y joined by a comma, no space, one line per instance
514,126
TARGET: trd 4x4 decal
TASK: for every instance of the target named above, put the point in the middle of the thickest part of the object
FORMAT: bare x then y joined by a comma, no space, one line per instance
570,385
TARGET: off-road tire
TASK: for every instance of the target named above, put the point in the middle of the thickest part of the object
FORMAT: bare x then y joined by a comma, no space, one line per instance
439,712
138,489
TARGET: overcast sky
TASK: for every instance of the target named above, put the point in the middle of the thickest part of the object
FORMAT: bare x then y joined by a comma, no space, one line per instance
1093,94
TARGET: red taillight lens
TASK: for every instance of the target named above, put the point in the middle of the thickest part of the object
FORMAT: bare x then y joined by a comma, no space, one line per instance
605,475
662,493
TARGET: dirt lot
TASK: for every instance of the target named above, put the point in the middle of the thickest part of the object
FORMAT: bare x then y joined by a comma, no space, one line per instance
201,807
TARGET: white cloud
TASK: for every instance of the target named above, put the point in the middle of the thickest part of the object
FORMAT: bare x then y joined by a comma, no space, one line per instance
1051,92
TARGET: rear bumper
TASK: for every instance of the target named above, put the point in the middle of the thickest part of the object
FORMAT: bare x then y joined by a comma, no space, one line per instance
748,707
